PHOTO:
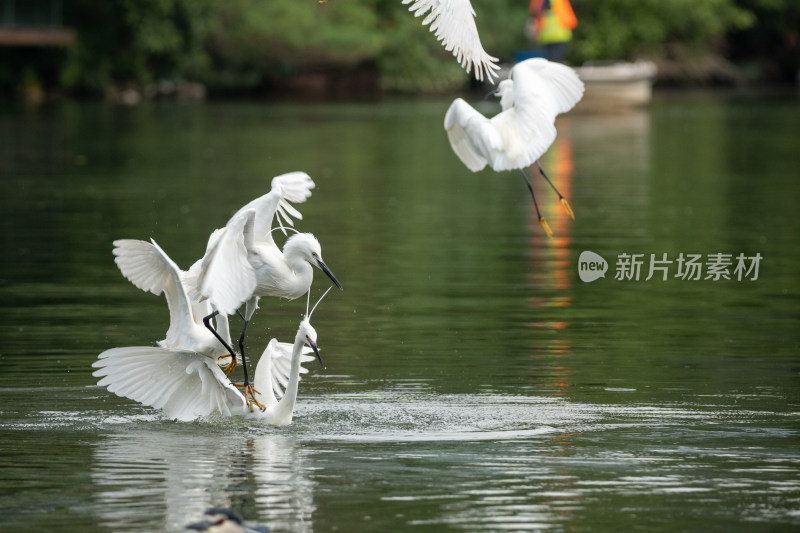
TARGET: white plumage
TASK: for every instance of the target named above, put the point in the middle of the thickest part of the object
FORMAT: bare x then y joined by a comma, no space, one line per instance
274,369
184,385
278,373
180,375
536,91
149,268
224,271
453,23
243,263
187,385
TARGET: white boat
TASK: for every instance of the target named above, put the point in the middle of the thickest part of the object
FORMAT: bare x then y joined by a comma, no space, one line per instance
614,85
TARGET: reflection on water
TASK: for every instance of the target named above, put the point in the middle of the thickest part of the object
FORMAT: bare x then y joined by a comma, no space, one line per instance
474,381
500,461
187,471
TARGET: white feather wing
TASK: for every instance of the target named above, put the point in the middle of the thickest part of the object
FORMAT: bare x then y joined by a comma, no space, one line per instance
290,187
226,277
453,23
542,89
473,137
142,264
272,371
184,385
555,87
526,136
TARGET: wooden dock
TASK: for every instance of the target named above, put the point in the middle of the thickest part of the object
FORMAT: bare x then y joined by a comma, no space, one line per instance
36,36
34,23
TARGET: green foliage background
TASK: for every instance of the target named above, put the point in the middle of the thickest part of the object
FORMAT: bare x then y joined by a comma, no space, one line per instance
257,44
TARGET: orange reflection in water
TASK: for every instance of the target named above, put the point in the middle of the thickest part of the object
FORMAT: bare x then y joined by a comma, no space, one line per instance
550,272
550,258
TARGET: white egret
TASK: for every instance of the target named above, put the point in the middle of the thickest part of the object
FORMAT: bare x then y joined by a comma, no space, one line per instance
273,376
150,269
453,23
243,263
269,372
535,92
173,375
187,385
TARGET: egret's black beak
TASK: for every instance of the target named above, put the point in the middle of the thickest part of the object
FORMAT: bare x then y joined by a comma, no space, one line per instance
491,93
316,351
328,272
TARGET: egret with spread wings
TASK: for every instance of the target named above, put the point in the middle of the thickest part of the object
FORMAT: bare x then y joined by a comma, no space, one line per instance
181,374
243,262
535,92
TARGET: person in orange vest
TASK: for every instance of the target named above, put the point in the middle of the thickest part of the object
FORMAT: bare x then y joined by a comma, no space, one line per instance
552,25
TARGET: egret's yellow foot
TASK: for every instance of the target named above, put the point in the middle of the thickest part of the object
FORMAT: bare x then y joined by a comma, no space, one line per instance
230,367
546,227
565,203
248,389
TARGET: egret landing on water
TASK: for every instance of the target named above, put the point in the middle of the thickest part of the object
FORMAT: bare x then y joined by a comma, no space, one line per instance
176,375
535,92
242,262
150,269
186,385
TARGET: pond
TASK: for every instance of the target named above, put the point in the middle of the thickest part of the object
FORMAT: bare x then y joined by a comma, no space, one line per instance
474,381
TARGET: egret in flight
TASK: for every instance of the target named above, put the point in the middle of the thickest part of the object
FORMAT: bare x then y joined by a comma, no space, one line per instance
535,92
453,23
242,262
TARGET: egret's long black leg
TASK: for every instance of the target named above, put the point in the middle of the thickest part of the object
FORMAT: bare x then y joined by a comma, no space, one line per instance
560,196
207,323
248,388
542,221
241,348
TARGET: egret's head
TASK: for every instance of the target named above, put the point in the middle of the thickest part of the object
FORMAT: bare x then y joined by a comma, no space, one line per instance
310,337
303,245
505,91
306,247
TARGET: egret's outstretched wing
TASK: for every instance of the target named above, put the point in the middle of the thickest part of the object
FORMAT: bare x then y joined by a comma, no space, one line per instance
226,277
552,87
291,187
143,265
184,385
149,267
453,23
473,137
272,371
541,90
